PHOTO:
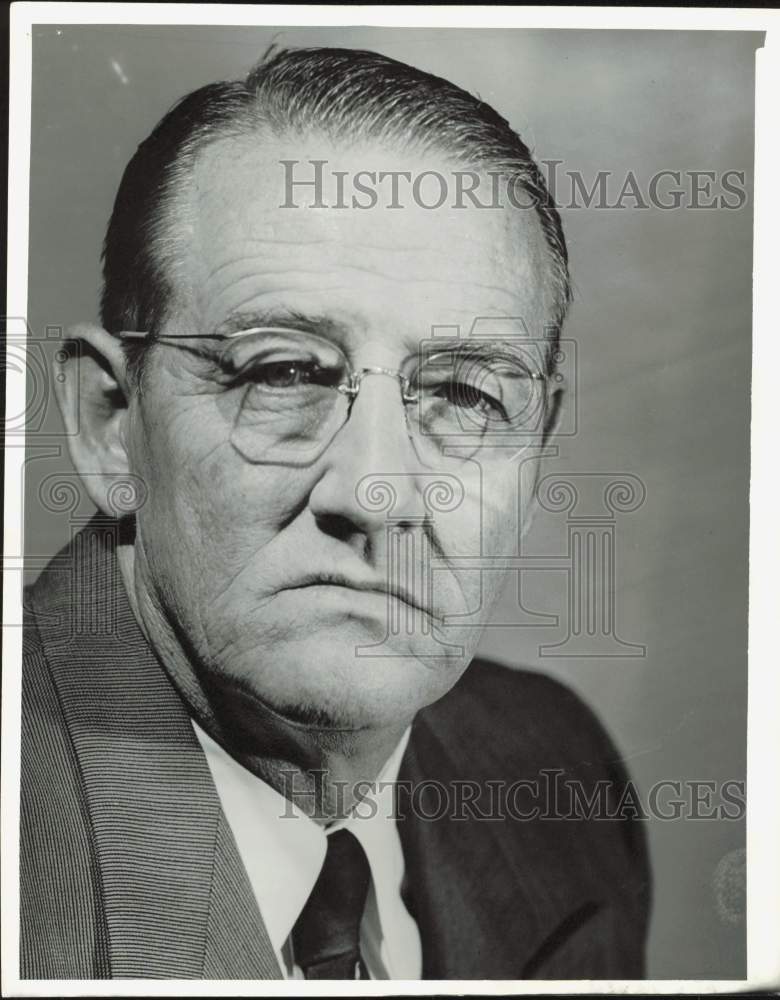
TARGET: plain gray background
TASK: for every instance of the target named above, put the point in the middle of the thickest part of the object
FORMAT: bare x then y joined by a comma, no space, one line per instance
662,321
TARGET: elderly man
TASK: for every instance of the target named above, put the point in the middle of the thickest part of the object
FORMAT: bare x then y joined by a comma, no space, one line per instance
272,755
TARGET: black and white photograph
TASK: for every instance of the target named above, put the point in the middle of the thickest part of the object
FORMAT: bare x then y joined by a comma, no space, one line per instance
377,561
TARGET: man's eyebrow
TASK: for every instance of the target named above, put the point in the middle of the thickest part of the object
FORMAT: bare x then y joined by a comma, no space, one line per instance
286,319
519,348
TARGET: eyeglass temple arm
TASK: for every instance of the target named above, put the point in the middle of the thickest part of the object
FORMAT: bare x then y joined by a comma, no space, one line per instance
143,334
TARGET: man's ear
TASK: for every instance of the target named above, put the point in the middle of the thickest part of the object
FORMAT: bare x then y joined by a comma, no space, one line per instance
552,418
91,385
553,415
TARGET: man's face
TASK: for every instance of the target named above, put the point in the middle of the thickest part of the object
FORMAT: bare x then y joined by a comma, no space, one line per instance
239,555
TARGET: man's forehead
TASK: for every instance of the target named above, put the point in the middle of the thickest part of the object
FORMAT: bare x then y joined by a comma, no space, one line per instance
245,216
288,181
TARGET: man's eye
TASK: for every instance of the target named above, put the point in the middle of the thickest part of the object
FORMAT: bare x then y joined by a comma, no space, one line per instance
469,397
283,374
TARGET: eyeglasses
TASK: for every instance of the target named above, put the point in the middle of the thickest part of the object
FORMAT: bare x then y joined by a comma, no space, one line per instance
295,391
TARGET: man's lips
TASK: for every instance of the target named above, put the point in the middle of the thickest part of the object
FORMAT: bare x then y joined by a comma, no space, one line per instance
363,586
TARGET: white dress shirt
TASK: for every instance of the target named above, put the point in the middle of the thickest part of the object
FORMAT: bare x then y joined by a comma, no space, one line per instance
283,851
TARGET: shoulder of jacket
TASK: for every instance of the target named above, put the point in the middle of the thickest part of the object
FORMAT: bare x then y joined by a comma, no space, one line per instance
501,721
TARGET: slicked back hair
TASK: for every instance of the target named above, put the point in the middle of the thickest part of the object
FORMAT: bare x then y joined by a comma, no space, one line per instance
344,94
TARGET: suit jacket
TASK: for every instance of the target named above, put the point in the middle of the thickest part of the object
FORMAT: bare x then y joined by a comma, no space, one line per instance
129,869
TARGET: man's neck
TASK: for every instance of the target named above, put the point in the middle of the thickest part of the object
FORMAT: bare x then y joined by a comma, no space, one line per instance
330,790
325,771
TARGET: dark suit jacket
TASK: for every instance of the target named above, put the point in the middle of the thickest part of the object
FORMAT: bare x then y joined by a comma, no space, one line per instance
129,869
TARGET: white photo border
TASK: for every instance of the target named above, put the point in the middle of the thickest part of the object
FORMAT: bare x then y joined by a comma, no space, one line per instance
763,809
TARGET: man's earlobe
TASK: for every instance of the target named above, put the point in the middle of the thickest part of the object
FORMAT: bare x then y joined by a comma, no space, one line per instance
92,389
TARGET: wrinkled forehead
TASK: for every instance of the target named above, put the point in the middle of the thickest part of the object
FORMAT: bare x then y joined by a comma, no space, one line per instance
266,216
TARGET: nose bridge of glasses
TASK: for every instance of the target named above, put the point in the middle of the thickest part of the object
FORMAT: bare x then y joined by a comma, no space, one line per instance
354,383
381,421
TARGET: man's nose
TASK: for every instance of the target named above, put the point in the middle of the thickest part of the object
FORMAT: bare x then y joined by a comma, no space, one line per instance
370,469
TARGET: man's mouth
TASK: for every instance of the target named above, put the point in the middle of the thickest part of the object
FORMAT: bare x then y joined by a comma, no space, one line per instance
331,579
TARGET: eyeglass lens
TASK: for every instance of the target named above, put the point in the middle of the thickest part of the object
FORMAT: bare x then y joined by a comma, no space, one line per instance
295,396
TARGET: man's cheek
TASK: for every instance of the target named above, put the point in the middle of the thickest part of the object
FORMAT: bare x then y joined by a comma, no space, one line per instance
254,495
487,537
471,600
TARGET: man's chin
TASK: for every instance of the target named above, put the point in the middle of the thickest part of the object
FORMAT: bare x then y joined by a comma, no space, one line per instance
317,689
318,718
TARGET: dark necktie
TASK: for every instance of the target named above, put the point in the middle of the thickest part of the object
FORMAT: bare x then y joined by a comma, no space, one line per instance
326,936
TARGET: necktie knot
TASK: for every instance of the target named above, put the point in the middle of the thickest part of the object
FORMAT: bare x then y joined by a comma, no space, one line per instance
326,935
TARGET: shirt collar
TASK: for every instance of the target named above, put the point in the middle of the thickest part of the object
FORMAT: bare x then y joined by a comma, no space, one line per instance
283,850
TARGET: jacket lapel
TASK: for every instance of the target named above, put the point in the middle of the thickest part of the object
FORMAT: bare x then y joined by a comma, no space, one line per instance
177,900
487,901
